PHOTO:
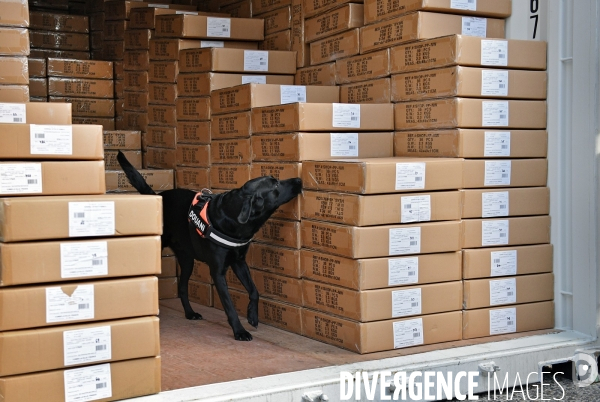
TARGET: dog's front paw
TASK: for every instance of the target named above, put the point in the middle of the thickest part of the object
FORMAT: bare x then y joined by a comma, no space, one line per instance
252,316
242,335
193,316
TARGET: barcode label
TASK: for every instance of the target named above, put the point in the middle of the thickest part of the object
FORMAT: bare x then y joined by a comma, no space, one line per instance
101,385
48,139
473,26
415,208
410,176
494,203
494,83
494,53
20,178
76,306
510,323
32,181
411,273
408,333
404,241
98,219
87,345
497,172
97,262
406,302
344,145
88,383
83,259
12,113
100,348
495,114
38,135
84,306
257,79
79,215
503,263
503,291
292,94
505,175
503,321
212,43
17,120
502,234
403,271
415,304
256,60
494,232
496,261
218,27
496,143
414,243
416,334
346,115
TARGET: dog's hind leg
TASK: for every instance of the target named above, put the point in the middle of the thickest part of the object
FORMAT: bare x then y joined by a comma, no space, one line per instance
218,276
241,270
186,264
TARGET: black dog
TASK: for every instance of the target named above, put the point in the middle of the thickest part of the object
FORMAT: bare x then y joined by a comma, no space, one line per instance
217,229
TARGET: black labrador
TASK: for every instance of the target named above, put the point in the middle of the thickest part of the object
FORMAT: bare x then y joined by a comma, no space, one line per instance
217,229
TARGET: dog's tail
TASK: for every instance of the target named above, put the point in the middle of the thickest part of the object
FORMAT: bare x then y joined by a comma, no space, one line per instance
134,177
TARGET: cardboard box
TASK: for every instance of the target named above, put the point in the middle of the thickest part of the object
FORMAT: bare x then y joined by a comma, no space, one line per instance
321,6
202,84
383,175
281,171
36,113
137,81
136,121
239,300
14,41
15,93
193,109
472,82
38,87
133,215
279,260
136,101
158,179
59,40
278,287
465,143
468,51
505,232
193,132
122,140
239,9
143,17
231,125
502,261
61,54
381,209
229,176
237,61
426,25
168,49
375,273
508,202
470,113
381,335
137,60
15,13
114,30
323,74
263,6
15,70
382,241
373,91
277,41
201,293
237,150
138,39
193,155
505,173
111,163
160,136
107,123
88,107
333,22
160,158
364,67
280,315
168,266
322,117
383,304
481,293
119,110
334,47
201,272
120,10
96,41
379,10
163,71
298,44
280,232
167,288
80,87
36,67
203,27
162,115
50,21
162,94
193,178
296,147
278,20
518,318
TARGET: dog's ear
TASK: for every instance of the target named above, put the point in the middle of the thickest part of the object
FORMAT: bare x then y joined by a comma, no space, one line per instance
246,210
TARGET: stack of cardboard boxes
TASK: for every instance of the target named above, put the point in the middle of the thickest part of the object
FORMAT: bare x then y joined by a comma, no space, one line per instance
82,308
278,26
14,49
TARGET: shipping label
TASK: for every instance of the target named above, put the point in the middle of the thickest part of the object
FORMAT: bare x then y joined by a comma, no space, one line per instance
503,291
78,260
503,263
494,52
78,306
254,79
20,178
346,115
51,139
494,204
256,60
494,82
494,113
91,219
12,113
473,26
503,321
218,27
212,43
405,241
496,143
88,383
292,93
415,208
344,144
470,5
406,302
87,345
410,176
494,233
497,173
403,271
408,333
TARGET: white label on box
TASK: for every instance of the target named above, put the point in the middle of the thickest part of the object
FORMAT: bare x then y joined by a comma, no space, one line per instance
186,12
51,139
91,219
496,143
494,233
346,115
415,208
405,241
410,176
218,27
503,263
256,60
61,307
494,52
78,260
497,173
88,383
403,271
212,43
494,204
254,79
503,321
12,113
464,4
344,144
292,94
152,5
503,291
408,333
494,113
406,302
87,345
494,82
473,26
20,178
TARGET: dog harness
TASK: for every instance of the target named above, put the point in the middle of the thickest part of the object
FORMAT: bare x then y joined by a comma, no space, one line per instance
198,219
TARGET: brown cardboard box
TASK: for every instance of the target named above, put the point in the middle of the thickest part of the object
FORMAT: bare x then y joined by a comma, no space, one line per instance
277,41
479,173
168,266
381,209
334,47
120,10
201,272
193,155
510,319
237,150
193,178
37,67
59,40
298,44
96,41
375,273
50,21
162,115
134,215
160,158
14,41
373,91
381,335
322,117
426,25
278,20
61,54
321,6
468,51
333,22
505,232
136,60
44,349
15,70
472,82
157,179
231,125
114,30
122,140
36,113
281,315
202,84
229,176
119,110
168,49
383,304
15,93
379,10
136,101
470,113
193,132
38,87
81,87
137,121
481,293
239,9
464,143
163,71
280,260
162,93
111,163
137,81
201,293
107,123
143,17
15,13
138,39
21,263
77,142
42,306
160,136
237,61
129,378
281,171
88,107
363,67
239,300
383,175
167,288
296,147
278,287
507,202
193,108
203,27
263,6
502,261
323,74
280,232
